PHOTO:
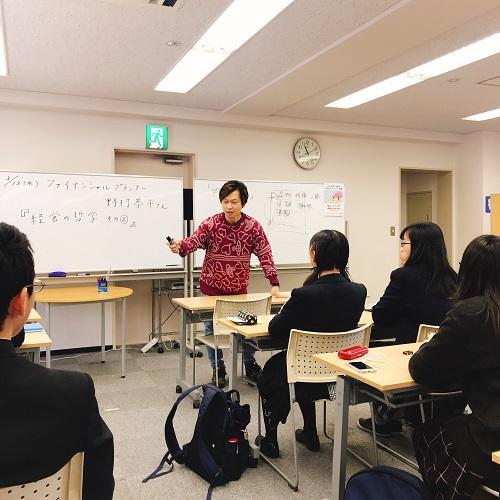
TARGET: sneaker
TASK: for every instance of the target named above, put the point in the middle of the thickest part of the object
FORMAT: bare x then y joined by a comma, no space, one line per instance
222,376
268,448
311,441
253,371
382,430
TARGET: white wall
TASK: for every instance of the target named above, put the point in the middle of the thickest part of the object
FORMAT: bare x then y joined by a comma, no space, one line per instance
62,141
75,142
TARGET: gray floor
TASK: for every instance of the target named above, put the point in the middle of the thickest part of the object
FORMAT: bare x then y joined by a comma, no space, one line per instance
135,409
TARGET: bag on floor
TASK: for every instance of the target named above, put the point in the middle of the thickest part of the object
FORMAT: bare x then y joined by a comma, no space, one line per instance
385,482
219,451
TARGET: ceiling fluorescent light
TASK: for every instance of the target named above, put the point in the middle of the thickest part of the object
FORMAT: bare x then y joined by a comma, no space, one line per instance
487,115
3,53
239,22
457,59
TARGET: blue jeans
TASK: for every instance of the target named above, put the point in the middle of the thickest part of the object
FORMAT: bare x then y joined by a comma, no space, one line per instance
248,352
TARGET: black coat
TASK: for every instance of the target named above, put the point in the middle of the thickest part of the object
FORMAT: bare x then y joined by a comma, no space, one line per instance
46,416
467,352
330,304
407,303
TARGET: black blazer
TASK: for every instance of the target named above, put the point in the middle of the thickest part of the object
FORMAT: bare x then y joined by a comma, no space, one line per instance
407,303
330,304
46,416
465,350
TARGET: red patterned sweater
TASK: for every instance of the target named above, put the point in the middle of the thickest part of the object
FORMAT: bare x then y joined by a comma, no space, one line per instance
226,267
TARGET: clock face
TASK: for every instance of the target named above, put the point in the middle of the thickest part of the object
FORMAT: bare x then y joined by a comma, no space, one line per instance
306,153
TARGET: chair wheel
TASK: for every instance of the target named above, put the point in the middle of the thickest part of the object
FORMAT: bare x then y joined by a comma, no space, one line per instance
196,404
160,349
175,344
190,354
178,389
199,354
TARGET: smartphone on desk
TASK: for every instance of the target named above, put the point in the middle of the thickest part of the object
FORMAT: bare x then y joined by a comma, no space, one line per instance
361,367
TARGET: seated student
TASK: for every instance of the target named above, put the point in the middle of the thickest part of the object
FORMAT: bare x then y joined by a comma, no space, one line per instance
420,291
46,416
328,302
455,455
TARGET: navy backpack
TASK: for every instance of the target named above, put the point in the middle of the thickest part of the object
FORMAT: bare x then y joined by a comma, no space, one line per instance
219,451
387,483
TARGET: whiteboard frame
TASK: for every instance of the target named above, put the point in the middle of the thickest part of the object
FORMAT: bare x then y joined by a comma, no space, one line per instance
298,265
121,272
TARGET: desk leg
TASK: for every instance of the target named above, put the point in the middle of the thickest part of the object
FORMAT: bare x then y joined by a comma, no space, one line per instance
103,332
182,350
124,310
36,355
343,392
233,354
47,357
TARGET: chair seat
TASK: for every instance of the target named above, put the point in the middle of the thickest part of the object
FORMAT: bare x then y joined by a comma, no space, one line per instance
209,340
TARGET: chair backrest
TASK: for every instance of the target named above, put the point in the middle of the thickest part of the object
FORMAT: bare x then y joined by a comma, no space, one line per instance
65,484
231,307
426,332
302,345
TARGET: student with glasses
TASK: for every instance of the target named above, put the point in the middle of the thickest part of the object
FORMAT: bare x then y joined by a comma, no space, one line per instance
420,291
46,415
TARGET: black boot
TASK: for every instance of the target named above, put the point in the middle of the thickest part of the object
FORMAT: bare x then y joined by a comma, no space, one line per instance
221,382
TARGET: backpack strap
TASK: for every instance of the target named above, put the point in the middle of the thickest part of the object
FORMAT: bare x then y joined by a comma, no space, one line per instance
170,438
173,450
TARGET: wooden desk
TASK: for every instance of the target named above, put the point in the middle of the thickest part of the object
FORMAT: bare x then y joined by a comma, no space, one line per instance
261,329
88,294
496,457
33,341
391,377
34,317
197,309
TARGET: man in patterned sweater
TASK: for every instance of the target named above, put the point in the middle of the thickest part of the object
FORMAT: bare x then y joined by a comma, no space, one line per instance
229,239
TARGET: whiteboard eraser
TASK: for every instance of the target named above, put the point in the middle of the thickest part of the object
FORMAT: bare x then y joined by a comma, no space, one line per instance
135,270
57,274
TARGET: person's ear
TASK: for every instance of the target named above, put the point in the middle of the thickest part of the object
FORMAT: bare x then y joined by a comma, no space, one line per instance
19,303
312,256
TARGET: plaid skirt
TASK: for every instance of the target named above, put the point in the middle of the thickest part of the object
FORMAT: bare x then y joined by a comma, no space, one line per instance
448,475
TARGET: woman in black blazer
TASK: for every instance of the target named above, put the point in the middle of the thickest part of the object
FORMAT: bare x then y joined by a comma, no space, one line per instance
328,302
420,291
454,455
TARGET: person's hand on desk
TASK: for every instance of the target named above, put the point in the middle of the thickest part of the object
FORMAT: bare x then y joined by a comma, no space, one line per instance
275,292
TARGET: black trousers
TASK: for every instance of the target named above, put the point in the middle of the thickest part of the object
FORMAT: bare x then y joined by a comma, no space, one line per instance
274,390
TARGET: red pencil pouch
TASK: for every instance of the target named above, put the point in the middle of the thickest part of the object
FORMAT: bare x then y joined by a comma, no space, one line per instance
353,352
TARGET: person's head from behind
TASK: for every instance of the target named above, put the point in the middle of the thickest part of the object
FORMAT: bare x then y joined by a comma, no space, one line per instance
423,247
479,275
17,273
328,251
233,196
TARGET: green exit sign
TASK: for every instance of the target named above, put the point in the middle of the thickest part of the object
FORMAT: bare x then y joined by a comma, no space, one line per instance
156,137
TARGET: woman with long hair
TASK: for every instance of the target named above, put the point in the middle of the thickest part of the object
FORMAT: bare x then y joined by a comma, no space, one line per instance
454,455
420,291
327,302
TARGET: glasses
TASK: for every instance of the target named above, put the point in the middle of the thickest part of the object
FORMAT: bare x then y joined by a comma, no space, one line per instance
403,243
37,286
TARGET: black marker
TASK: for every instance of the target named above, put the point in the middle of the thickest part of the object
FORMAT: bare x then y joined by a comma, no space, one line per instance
170,240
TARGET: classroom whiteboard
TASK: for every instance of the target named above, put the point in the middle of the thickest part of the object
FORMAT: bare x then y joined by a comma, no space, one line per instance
290,214
80,222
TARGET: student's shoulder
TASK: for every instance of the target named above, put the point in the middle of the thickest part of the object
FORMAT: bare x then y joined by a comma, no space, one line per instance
68,381
405,273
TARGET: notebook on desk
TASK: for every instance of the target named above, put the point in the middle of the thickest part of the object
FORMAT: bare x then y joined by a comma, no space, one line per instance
33,327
